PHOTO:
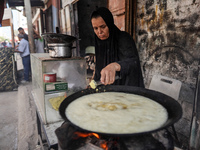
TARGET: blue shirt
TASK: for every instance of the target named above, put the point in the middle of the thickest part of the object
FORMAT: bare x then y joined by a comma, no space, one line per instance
24,48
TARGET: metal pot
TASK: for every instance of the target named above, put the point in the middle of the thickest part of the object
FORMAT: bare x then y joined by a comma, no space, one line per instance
172,106
60,50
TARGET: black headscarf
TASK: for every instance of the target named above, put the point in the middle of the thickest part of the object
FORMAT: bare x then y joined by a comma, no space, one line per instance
108,51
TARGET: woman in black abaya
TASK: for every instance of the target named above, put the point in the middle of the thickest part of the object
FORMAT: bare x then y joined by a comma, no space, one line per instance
116,53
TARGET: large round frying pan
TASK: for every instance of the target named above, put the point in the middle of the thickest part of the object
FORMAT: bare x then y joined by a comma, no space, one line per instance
173,107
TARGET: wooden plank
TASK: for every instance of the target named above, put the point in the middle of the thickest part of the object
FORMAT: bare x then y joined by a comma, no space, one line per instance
30,26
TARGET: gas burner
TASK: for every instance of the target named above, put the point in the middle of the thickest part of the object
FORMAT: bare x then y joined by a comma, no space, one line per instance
69,138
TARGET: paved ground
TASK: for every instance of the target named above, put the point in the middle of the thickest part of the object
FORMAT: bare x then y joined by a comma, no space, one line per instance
18,120
27,128
9,119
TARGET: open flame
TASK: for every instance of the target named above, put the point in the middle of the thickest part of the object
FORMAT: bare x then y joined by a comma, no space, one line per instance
80,134
103,143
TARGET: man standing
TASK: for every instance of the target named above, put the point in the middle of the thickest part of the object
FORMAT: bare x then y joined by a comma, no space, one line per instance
21,31
23,49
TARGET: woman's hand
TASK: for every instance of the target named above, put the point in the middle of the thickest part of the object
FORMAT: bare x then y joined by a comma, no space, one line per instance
108,73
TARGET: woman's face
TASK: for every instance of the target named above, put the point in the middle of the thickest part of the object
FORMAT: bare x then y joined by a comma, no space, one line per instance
100,28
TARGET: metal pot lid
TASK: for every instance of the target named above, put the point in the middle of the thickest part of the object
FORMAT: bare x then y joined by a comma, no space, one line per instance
58,38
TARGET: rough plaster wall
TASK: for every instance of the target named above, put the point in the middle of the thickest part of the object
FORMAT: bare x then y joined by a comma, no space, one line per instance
168,41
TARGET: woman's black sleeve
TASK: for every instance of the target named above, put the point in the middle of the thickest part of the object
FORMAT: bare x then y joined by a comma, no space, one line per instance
128,55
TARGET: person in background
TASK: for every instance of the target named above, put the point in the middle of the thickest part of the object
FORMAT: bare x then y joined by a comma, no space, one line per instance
4,43
115,51
23,49
39,45
21,31
8,44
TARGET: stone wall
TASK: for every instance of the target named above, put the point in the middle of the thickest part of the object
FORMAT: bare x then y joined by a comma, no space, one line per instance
168,41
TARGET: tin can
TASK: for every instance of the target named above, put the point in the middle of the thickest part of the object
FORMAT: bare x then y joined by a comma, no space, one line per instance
49,77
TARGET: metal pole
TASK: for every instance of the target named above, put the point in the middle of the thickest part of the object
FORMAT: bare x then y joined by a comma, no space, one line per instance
27,5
